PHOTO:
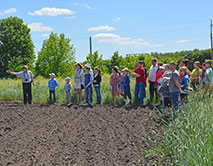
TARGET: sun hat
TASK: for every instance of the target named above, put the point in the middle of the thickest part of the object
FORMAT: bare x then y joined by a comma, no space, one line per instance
125,69
25,67
162,67
52,74
67,78
88,65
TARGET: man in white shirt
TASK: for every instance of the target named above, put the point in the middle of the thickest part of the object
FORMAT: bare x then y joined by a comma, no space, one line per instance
27,79
152,79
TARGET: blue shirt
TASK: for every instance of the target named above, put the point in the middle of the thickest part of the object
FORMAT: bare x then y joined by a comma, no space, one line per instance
88,79
184,82
52,83
209,70
126,80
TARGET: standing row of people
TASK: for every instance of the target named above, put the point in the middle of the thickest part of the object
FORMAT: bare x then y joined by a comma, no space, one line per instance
165,82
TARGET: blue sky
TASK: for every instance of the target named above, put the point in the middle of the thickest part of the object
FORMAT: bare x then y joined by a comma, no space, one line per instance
127,26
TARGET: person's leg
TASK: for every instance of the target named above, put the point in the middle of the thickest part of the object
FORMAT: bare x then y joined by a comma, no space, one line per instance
129,94
151,90
175,100
207,87
66,97
30,93
87,95
156,94
77,95
80,96
141,92
24,93
90,94
54,99
99,95
136,93
50,97
70,97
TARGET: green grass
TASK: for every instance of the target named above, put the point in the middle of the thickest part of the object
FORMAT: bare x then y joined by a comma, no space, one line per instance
189,138
11,90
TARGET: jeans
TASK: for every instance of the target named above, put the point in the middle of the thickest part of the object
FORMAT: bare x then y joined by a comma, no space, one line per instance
139,92
68,97
152,90
27,93
52,93
127,93
98,93
175,99
88,94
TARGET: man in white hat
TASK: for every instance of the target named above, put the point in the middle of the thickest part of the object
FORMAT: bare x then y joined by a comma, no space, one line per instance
27,80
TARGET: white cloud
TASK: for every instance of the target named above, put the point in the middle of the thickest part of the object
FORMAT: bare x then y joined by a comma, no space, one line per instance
102,28
116,19
45,35
183,41
157,45
83,5
52,12
71,17
39,27
114,38
8,11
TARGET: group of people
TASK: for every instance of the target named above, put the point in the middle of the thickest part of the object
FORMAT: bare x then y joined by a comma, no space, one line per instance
166,83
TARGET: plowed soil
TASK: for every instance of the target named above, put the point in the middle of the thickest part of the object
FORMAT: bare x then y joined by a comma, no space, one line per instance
94,136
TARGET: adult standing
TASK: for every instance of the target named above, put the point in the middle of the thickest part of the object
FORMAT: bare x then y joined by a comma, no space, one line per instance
174,85
152,79
208,76
139,73
78,79
196,75
27,81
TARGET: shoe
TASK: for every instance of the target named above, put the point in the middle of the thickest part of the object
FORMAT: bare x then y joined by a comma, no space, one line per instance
130,103
86,104
123,103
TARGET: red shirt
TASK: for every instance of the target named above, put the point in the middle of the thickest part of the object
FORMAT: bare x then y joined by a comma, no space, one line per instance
142,74
159,74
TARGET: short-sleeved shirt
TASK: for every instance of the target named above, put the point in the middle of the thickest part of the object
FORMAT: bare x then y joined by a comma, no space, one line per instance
172,85
26,77
195,73
209,70
152,73
142,74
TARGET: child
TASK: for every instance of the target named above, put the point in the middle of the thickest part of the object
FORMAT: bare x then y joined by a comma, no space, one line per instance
52,84
67,89
88,79
208,76
96,84
114,82
126,85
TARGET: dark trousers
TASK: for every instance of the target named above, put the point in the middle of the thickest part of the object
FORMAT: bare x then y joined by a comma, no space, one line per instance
152,90
52,93
127,93
27,93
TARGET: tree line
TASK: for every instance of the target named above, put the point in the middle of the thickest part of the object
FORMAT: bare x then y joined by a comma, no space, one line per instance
57,54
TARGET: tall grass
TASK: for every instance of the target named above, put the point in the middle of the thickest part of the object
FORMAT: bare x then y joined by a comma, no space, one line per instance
11,90
189,139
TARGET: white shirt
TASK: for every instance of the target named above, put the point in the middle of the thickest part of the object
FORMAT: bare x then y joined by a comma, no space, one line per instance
152,73
26,77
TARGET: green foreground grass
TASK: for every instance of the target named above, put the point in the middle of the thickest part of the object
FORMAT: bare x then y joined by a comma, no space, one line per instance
189,138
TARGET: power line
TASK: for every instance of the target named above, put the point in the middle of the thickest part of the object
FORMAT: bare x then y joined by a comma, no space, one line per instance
211,38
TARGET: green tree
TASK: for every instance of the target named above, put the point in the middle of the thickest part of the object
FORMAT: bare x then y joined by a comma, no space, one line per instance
116,59
16,46
56,56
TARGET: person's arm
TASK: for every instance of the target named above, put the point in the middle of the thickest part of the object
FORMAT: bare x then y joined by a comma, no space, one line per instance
135,74
32,79
207,76
49,83
10,72
91,80
56,83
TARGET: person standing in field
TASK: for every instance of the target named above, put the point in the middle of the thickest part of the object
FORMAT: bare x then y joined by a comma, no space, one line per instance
97,84
68,88
184,84
185,63
208,76
88,80
139,73
174,86
114,82
27,81
52,84
126,85
152,79
78,79
202,81
196,75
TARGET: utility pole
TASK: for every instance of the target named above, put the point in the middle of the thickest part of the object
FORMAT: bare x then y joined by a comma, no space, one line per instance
211,38
90,44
